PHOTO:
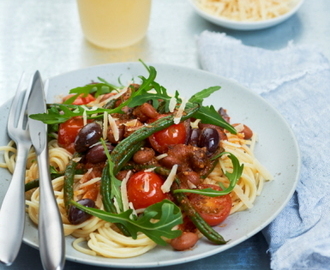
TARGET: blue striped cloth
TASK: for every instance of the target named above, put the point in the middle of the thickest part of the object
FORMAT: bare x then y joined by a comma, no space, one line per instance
296,81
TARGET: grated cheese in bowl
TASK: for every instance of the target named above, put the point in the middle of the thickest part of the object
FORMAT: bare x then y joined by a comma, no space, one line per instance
246,14
247,10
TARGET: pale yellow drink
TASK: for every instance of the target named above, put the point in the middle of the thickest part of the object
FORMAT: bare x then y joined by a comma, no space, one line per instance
114,23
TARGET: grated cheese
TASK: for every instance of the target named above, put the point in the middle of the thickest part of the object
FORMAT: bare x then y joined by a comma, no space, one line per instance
172,104
150,169
131,206
105,125
161,156
115,203
123,191
146,183
90,182
246,10
191,185
84,118
115,96
194,124
76,159
239,128
166,187
131,124
114,127
178,114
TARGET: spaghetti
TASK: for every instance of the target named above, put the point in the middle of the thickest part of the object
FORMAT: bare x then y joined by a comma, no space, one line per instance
97,237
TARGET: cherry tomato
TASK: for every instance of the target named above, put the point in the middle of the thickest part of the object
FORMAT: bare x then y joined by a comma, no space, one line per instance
213,210
81,99
68,131
144,189
174,134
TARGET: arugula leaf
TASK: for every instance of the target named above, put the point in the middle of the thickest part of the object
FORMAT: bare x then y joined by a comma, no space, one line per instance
59,113
199,97
96,89
233,177
144,87
110,85
209,115
157,221
139,100
54,173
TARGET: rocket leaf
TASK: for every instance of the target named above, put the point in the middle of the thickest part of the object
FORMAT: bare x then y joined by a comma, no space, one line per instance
157,221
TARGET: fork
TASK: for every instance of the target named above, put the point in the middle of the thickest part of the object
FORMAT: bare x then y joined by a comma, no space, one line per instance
12,212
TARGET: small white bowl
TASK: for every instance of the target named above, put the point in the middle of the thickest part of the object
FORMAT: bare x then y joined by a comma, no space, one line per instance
240,25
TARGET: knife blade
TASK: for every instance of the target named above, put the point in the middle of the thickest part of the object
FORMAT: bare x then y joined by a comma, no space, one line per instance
50,228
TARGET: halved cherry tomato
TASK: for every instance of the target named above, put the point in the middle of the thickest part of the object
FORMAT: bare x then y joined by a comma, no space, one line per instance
174,134
144,189
213,210
68,131
81,99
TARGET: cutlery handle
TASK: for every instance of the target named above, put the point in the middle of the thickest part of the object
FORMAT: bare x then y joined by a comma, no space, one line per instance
51,238
12,213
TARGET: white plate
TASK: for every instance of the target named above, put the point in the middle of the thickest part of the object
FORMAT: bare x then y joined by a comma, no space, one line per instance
277,150
237,25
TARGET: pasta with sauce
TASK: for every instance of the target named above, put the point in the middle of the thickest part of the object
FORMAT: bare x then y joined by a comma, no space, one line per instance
94,235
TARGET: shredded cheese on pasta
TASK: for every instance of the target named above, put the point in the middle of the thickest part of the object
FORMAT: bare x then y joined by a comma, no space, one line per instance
105,125
113,127
172,104
166,187
179,112
123,190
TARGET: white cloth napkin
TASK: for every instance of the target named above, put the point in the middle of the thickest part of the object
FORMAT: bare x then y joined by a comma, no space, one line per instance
296,81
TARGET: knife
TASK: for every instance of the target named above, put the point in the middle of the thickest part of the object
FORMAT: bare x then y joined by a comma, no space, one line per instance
50,228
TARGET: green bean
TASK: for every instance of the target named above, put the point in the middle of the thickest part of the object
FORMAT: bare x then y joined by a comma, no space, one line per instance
111,104
35,183
69,180
122,157
195,217
31,185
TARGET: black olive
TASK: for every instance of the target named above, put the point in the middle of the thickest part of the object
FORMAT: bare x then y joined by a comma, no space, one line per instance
224,114
194,136
96,153
77,216
210,139
87,136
